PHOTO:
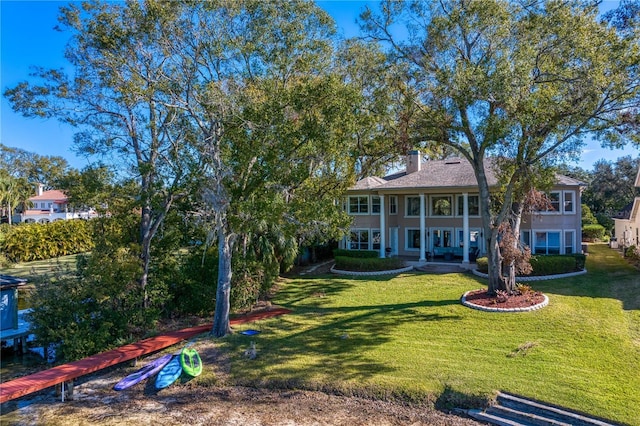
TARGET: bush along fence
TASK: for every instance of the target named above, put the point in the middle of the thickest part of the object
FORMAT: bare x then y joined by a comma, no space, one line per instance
35,241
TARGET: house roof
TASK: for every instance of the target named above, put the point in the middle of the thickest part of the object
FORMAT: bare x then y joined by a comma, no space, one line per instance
625,213
434,174
369,183
53,194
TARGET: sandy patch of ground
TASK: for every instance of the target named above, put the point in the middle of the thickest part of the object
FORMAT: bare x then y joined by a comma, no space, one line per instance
94,402
183,405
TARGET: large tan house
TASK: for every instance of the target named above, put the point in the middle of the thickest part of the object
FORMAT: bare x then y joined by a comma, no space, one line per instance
431,211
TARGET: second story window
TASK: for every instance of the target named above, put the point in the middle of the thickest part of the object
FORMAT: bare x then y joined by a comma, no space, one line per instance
375,204
359,204
473,204
441,205
413,206
568,202
393,204
554,199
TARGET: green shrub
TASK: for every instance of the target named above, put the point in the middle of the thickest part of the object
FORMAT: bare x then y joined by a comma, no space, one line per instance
367,264
546,264
95,310
356,253
35,241
632,252
581,260
482,264
552,264
592,232
195,292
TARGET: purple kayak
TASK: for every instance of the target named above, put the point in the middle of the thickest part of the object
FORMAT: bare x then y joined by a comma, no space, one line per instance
147,371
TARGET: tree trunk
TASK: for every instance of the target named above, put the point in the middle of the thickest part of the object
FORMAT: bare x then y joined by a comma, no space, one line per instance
221,316
494,259
145,252
10,215
510,283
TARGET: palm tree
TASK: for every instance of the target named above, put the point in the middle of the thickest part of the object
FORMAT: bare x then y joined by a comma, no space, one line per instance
14,193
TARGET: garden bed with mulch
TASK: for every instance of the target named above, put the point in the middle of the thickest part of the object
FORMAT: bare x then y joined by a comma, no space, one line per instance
516,301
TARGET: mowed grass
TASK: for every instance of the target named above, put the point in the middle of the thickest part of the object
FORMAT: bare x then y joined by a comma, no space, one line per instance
41,269
408,336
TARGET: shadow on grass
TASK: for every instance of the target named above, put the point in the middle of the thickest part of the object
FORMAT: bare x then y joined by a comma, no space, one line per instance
608,276
318,341
451,398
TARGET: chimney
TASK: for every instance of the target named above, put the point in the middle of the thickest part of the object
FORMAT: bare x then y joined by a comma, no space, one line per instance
414,161
40,189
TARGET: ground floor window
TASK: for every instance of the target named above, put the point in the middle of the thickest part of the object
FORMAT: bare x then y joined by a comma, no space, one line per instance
359,239
547,242
375,239
442,237
568,242
413,239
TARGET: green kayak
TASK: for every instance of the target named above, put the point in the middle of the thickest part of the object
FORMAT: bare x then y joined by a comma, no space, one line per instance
191,362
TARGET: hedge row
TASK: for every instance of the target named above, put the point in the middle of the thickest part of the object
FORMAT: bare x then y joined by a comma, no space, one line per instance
356,253
551,264
367,264
35,241
592,232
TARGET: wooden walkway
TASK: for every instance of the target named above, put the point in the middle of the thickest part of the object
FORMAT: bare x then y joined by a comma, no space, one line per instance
64,373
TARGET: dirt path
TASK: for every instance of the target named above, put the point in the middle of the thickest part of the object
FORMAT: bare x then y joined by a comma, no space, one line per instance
187,403
96,404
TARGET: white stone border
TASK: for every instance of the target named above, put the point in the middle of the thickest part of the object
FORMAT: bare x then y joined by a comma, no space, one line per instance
471,305
371,273
536,278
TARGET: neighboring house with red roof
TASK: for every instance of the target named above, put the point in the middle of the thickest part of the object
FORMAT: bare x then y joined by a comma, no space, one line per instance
50,206
432,210
627,224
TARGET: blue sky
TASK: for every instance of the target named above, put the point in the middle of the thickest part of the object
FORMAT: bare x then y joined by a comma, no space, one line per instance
27,38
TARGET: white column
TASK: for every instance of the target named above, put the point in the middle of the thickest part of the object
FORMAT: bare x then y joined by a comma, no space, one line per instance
383,230
465,228
423,251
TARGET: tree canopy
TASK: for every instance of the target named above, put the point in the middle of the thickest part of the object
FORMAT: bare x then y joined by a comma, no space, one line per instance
235,106
522,81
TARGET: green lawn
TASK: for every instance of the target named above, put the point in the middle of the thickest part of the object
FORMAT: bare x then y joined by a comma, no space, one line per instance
38,269
409,336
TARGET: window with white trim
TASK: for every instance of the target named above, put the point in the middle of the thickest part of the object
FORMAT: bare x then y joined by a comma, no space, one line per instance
375,239
358,204
569,204
375,204
554,199
547,242
442,237
441,205
393,204
525,238
413,239
359,239
413,206
473,204
568,242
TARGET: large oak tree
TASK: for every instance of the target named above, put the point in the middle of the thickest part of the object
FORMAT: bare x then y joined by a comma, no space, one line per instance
523,81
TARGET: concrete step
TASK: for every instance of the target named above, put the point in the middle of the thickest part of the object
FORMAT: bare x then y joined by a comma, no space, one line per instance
483,416
545,411
523,417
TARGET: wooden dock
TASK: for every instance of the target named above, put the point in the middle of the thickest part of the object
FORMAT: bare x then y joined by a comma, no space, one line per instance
20,333
67,372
